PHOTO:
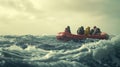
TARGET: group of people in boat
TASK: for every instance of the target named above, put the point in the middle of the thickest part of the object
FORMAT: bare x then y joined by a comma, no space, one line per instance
87,31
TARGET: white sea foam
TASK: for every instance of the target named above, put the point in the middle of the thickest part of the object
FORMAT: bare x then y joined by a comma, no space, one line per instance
46,51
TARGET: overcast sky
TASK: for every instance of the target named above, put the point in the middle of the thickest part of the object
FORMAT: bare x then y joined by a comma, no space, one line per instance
37,17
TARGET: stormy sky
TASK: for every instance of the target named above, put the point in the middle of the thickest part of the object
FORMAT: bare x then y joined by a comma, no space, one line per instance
37,17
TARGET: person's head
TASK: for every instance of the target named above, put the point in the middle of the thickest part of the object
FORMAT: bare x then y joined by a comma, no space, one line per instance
68,26
88,27
82,27
94,27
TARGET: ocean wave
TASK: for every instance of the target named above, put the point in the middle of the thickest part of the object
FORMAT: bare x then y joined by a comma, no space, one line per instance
47,51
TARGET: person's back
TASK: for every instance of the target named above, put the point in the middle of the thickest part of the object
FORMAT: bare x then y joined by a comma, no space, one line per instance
67,29
87,31
91,31
98,31
81,30
95,30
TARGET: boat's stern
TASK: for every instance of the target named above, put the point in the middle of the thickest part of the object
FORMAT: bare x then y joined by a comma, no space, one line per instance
60,36
64,36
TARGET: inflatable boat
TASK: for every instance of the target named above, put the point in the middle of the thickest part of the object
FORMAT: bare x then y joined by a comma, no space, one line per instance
65,36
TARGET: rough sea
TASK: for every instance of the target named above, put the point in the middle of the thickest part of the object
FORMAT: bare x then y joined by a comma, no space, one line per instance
47,51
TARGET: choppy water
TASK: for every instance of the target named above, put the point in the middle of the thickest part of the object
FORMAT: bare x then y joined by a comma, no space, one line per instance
46,51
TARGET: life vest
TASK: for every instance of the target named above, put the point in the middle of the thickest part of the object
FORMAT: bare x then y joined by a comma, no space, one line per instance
87,31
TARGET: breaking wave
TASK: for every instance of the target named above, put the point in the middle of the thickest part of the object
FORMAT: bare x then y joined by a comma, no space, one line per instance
46,51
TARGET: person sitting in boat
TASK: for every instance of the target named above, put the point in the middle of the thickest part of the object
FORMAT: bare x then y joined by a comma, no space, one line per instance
91,31
96,31
80,30
67,29
87,31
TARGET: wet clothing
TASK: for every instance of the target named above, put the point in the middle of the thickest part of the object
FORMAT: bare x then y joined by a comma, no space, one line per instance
91,31
80,30
96,31
67,29
87,31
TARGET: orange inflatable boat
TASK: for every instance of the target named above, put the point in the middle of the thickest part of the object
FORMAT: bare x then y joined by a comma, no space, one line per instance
65,36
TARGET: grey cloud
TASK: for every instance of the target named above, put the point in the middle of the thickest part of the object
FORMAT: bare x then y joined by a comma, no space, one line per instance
24,8
108,8
98,7
94,7
20,5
